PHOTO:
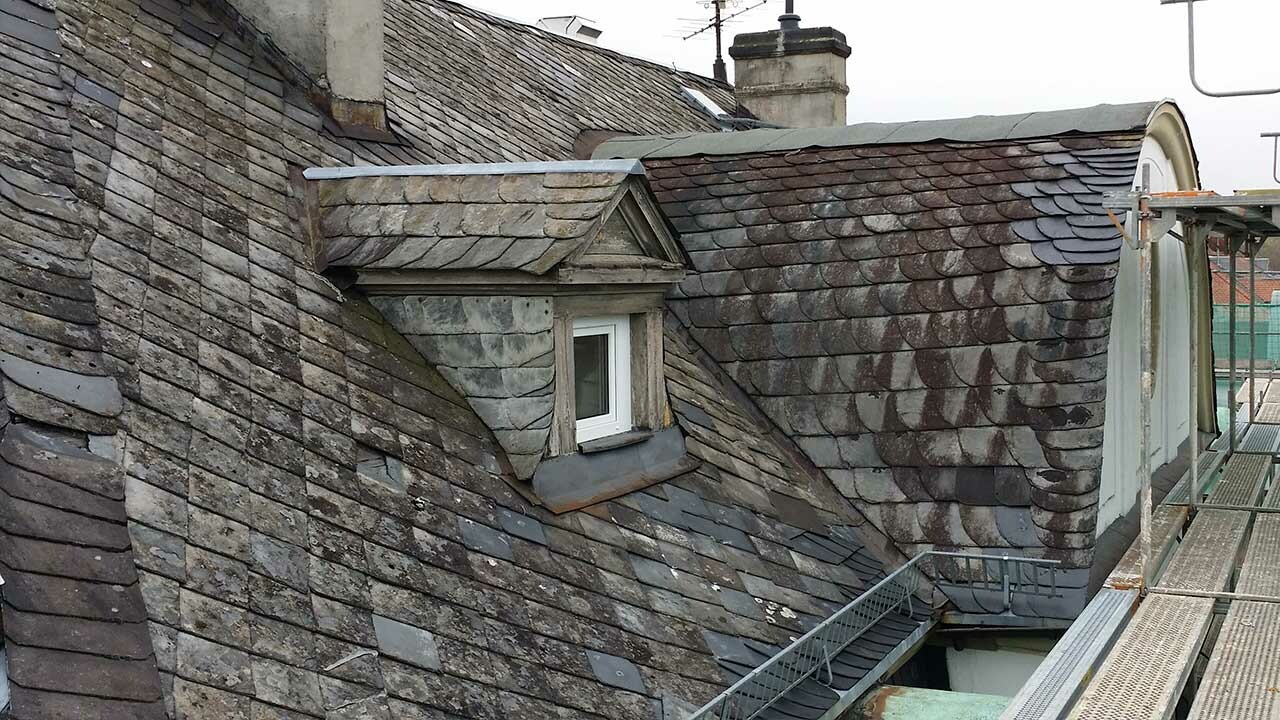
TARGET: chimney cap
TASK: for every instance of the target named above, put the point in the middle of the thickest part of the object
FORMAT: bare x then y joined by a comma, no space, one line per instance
784,42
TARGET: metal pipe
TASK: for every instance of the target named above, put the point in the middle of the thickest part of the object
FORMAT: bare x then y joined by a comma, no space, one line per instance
1146,384
1253,379
1275,154
1191,58
1198,236
1231,343
1188,592
1222,506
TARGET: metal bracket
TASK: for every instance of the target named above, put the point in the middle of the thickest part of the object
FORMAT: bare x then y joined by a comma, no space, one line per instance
1236,241
1191,57
1275,160
1163,223
1127,200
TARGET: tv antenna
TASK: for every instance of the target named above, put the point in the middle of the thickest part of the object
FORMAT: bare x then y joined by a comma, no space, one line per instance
717,22
1191,58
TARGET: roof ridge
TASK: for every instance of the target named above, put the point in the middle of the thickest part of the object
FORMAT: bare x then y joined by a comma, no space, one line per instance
526,27
1101,119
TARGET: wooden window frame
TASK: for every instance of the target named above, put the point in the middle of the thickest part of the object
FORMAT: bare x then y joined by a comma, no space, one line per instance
648,399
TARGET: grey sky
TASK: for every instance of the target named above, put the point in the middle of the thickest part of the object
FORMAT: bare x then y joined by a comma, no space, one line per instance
921,59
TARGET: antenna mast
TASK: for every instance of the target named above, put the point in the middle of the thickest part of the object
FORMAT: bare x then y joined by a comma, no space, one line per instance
718,70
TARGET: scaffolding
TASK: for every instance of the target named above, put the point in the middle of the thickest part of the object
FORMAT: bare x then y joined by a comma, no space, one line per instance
1132,651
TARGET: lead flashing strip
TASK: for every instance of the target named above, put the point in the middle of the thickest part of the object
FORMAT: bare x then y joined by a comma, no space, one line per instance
982,128
625,166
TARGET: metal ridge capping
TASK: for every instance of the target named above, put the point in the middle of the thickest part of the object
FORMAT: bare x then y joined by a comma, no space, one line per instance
980,128
624,166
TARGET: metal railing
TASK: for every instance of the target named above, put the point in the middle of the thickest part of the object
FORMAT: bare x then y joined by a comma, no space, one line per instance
812,654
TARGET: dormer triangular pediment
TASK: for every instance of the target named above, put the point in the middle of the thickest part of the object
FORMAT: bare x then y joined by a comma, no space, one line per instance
631,244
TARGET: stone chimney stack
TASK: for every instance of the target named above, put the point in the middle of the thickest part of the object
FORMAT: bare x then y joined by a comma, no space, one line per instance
792,76
340,44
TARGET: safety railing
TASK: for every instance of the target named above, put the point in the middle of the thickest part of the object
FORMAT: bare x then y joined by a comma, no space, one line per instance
811,655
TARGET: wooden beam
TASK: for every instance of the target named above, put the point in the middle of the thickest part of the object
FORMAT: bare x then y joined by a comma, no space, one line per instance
562,416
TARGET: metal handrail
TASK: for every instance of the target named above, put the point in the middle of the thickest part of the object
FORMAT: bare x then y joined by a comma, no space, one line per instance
813,652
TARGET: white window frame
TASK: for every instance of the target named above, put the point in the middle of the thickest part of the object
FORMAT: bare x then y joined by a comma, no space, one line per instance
618,419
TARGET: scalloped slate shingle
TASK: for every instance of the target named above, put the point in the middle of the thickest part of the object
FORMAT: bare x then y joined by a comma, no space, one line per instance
928,322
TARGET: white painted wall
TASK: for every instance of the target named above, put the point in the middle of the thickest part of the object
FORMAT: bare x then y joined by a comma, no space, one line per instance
1171,401
993,672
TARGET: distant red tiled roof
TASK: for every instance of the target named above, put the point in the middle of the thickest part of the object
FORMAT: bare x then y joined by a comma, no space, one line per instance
1263,286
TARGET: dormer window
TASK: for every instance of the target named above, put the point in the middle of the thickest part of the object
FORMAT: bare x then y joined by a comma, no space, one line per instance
537,291
601,376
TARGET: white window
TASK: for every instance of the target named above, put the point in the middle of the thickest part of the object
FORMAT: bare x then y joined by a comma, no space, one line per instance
602,376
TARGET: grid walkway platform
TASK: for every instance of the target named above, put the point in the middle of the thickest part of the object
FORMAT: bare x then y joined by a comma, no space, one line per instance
1144,673
1260,573
1209,463
1206,558
1268,413
1260,439
1166,522
1242,395
1242,480
1244,672
1243,676
1223,443
1062,675
1272,393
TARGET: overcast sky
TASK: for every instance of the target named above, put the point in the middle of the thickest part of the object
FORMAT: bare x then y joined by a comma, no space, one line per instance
922,59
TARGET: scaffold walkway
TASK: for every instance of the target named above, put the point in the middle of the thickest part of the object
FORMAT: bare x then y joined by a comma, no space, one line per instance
1211,548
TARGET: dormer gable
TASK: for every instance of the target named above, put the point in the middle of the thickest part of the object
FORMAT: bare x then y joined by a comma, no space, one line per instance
537,290
582,222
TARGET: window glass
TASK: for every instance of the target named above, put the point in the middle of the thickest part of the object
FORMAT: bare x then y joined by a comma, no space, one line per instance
601,376
591,375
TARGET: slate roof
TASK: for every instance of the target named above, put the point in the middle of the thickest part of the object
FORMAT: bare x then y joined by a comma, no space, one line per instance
928,320
493,217
464,86
317,521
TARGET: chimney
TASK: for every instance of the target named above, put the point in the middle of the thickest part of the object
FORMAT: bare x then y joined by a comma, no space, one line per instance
792,76
339,44
572,26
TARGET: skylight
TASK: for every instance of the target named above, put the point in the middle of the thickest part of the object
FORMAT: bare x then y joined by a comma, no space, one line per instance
700,99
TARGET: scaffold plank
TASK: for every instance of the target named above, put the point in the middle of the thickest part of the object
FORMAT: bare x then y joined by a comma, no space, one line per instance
1222,443
1272,394
1062,674
1206,557
1209,463
1143,675
1242,395
1273,495
1166,521
1260,439
1243,674
1241,481
1260,574
1268,413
